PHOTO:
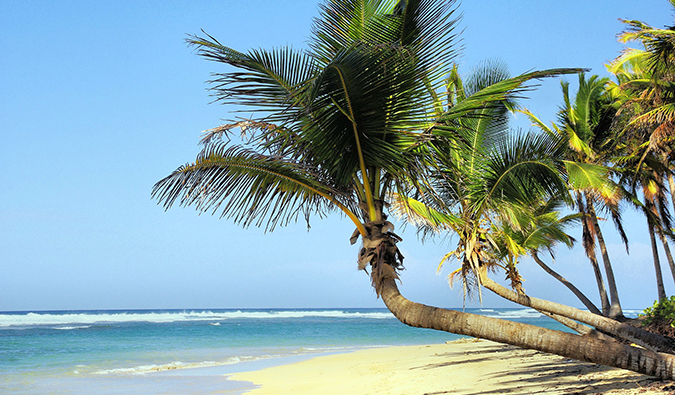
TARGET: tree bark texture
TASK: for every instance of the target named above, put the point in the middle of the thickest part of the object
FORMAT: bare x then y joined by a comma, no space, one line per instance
589,246
615,306
660,289
644,338
584,348
671,183
669,255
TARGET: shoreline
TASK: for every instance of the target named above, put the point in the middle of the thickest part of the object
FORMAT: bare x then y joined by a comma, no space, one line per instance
465,366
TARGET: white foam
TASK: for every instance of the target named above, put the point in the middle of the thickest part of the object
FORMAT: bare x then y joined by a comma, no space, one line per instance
89,318
69,328
145,369
514,314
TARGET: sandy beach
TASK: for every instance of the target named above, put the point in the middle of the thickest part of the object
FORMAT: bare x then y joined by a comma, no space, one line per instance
459,367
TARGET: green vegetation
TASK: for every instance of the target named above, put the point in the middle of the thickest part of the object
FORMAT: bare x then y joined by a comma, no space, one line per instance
375,119
663,311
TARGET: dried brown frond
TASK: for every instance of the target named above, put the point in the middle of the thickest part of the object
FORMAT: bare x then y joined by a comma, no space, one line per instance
245,126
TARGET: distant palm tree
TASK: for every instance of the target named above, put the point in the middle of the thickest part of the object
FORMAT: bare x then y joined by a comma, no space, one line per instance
586,123
646,123
491,188
341,126
538,227
654,89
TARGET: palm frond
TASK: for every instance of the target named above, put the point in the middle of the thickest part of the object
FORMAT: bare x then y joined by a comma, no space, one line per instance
250,188
422,216
269,80
506,90
588,176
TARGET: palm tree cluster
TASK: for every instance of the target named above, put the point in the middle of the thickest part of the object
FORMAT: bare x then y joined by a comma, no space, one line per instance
374,119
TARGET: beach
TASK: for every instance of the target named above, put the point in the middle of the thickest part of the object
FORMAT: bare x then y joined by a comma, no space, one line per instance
467,366
280,351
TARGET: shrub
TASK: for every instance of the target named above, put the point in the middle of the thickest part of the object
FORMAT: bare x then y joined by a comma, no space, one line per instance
662,311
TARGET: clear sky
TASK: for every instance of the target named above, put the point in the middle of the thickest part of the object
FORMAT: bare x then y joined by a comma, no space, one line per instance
99,100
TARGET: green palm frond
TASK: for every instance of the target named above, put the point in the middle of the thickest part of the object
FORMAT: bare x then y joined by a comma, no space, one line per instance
356,102
503,91
518,169
423,27
250,188
425,218
268,80
589,176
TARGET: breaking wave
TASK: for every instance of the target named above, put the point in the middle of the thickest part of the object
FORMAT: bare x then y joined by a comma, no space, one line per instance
79,320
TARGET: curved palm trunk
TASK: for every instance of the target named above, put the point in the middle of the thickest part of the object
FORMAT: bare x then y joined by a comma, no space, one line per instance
589,246
589,305
615,306
584,348
621,330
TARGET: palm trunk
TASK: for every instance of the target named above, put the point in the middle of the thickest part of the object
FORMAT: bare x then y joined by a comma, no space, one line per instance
583,348
671,182
655,252
657,266
621,330
573,325
589,305
669,255
604,301
589,246
615,306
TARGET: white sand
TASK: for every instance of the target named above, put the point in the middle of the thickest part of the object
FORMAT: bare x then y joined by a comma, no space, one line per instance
461,367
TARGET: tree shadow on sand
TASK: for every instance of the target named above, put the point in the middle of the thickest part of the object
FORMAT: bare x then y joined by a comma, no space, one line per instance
521,374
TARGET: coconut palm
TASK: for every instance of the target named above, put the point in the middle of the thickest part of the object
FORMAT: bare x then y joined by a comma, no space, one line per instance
489,187
586,123
645,124
537,228
339,127
655,90
646,78
648,180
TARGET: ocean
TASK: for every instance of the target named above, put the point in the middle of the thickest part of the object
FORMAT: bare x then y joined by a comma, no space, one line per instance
190,351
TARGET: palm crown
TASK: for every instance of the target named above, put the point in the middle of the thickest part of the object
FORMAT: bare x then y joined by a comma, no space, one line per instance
340,125
340,122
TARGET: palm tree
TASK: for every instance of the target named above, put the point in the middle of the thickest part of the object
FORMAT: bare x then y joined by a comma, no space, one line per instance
489,186
646,123
655,90
646,78
343,124
586,123
539,227
647,178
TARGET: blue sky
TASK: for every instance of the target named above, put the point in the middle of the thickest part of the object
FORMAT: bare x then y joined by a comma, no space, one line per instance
99,100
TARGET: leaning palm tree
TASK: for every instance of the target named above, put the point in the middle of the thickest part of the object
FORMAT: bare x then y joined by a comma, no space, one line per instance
538,228
339,127
488,188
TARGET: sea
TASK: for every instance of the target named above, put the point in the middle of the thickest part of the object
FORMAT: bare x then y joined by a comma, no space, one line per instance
191,351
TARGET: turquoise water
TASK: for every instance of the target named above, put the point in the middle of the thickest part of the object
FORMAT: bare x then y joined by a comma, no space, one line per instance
188,351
